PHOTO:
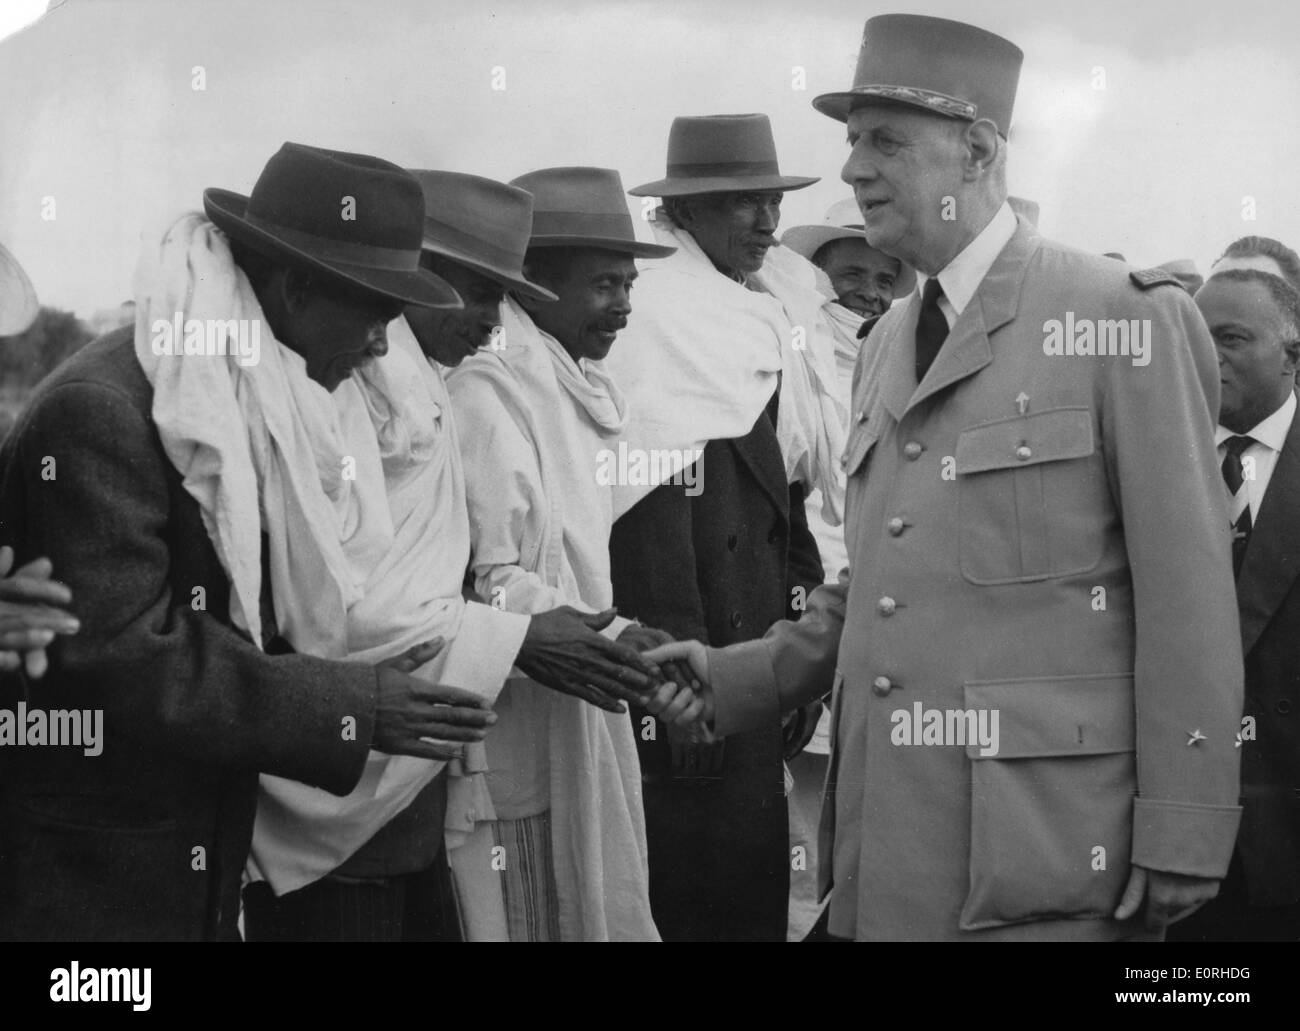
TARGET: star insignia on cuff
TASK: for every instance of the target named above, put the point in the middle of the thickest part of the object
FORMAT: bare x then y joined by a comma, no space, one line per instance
1195,736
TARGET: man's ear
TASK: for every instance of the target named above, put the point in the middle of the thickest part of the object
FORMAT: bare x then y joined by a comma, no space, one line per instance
295,287
982,145
1291,350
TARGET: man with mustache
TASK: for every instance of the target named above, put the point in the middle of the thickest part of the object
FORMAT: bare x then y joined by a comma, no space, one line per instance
535,411
729,373
1036,537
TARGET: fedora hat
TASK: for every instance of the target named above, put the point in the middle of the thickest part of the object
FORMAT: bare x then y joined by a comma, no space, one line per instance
18,304
583,207
843,221
481,224
945,67
354,217
718,154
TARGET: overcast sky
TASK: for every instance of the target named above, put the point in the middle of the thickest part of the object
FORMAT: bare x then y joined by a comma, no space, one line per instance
1198,109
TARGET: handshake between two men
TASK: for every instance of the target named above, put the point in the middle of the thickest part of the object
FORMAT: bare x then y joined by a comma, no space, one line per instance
564,650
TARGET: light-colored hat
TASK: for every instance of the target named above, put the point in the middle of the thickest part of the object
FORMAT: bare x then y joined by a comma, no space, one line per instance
945,67
843,221
1184,270
18,304
718,154
583,207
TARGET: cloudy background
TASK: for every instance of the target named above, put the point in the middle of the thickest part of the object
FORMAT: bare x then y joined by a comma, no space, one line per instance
1198,109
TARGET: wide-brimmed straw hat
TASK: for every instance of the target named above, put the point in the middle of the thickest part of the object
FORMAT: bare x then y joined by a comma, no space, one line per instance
18,304
357,218
843,221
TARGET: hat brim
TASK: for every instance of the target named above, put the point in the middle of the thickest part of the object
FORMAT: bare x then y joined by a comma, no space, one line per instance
18,304
838,105
504,277
685,187
419,287
807,240
635,248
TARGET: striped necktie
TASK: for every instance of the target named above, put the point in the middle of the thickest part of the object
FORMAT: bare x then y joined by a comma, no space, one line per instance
1232,476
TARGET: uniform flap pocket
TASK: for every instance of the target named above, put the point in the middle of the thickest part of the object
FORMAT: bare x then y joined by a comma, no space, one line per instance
1053,716
1024,440
862,437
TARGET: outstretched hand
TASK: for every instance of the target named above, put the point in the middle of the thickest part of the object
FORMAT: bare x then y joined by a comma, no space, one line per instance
565,651
693,656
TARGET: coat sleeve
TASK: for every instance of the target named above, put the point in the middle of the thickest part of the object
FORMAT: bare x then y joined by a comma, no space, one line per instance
804,561
167,677
789,666
1158,428
653,564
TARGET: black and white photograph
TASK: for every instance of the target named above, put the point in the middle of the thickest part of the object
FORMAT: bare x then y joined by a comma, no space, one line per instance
638,471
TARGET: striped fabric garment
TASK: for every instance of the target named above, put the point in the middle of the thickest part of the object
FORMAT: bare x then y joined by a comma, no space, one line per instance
528,881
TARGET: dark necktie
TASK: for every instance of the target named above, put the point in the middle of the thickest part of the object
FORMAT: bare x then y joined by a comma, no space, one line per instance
931,327
1232,477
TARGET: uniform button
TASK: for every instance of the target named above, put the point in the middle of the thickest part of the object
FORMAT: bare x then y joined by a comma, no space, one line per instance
731,542
912,450
1023,453
882,686
895,526
886,606
1283,706
735,619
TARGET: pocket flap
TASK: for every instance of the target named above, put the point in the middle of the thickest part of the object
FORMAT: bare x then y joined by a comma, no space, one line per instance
861,439
1020,441
1049,716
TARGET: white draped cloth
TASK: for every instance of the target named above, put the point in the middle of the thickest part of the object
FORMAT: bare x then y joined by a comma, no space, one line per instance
532,423
361,495
702,355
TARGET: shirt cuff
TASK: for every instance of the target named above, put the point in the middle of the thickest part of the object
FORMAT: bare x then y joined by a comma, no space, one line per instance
1184,838
617,627
745,694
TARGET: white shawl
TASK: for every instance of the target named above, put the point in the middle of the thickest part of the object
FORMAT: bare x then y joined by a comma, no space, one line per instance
702,354
531,424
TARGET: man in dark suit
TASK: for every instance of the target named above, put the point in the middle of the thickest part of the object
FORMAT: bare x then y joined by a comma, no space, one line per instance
1254,317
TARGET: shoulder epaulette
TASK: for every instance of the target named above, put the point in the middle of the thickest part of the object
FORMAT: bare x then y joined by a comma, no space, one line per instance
1146,278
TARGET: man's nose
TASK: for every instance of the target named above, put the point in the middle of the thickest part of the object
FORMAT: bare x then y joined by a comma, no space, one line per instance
769,217
621,302
858,168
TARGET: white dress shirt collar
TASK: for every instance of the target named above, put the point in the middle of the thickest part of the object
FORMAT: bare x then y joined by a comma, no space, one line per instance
1270,432
961,277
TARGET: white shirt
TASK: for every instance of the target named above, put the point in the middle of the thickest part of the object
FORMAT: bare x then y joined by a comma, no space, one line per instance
961,277
1258,460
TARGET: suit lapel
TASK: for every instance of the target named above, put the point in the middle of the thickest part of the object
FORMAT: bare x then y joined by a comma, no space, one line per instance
1272,558
765,463
967,349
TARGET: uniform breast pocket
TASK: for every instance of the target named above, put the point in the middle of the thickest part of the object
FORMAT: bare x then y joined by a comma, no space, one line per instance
1029,490
1052,800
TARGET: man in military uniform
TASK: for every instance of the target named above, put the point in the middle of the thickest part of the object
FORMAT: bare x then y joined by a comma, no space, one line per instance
1036,661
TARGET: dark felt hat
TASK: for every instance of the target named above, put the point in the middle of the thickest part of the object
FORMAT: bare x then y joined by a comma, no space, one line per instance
357,218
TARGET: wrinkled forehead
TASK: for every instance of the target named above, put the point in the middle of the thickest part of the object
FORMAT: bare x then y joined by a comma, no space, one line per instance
877,114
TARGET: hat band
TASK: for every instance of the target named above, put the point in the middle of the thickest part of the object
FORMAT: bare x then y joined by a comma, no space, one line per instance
470,245
953,107
719,169
392,259
610,226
